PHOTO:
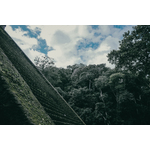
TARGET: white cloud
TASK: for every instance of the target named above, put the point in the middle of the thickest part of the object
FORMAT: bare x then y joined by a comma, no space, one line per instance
64,55
20,38
105,29
65,40
60,38
26,43
32,54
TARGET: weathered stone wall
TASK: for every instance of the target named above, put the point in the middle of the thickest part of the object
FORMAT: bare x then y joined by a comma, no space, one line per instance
18,105
54,105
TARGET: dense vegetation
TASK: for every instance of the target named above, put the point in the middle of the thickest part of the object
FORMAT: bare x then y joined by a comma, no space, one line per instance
101,95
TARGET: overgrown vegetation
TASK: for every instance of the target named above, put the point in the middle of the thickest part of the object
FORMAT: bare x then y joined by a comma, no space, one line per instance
101,95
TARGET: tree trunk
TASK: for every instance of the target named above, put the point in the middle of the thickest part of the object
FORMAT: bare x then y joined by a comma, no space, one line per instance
105,111
89,84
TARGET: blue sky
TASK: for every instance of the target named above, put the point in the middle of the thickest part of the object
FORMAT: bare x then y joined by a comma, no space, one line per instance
68,45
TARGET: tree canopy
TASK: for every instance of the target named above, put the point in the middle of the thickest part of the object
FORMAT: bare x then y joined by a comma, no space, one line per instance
134,51
101,95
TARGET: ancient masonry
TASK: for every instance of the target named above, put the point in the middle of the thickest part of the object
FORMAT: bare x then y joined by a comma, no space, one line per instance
26,96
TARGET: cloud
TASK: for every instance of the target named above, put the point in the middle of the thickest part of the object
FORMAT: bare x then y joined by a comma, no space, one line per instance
27,44
71,44
65,39
33,53
64,55
21,37
60,38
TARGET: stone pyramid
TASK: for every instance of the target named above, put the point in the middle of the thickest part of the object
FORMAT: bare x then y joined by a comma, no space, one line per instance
26,96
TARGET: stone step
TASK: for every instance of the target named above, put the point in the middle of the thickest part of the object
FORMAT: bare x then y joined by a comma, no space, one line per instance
54,114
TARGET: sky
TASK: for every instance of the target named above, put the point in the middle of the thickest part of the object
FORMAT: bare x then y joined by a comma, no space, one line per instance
85,44
68,44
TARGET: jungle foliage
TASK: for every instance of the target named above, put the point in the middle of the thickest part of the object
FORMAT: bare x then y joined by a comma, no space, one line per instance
105,96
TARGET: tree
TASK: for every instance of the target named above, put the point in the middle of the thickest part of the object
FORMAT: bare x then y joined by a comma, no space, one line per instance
100,82
134,52
43,62
133,58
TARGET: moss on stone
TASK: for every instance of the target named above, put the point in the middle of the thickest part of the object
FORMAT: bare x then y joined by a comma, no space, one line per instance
21,93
